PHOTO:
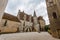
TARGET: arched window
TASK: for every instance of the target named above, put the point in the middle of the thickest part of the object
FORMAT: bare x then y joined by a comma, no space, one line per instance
54,15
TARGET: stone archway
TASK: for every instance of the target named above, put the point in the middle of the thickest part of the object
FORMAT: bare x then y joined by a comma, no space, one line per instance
27,29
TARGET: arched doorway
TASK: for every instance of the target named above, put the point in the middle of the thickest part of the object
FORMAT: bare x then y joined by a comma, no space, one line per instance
28,30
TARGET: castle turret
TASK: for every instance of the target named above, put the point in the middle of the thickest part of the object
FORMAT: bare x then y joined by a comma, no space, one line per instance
35,18
35,22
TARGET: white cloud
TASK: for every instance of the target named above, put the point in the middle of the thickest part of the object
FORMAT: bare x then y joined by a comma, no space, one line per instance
25,1
28,6
42,11
21,8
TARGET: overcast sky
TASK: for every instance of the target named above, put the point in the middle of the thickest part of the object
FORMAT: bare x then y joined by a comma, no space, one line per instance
28,6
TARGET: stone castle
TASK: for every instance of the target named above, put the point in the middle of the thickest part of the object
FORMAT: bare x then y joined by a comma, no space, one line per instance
27,23
53,8
21,23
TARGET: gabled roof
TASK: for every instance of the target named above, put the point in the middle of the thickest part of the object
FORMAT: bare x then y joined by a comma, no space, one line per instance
21,15
10,17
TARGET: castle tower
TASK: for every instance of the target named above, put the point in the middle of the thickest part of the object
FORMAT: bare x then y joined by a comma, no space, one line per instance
35,22
18,15
53,8
35,18
22,18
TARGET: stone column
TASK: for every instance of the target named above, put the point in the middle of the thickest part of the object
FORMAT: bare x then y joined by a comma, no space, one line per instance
30,23
3,4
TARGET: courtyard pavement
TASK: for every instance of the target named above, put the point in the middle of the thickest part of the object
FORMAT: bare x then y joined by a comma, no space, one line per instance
27,36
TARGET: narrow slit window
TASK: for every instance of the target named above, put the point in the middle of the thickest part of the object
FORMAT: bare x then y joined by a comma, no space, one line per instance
5,24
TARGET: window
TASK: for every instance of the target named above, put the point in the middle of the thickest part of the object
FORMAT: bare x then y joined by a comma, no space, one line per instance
54,15
5,23
50,1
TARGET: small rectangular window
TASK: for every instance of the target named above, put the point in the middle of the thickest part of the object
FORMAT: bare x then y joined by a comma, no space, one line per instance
5,23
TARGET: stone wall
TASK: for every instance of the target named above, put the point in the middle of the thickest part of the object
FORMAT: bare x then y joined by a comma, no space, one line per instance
42,24
11,26
53,8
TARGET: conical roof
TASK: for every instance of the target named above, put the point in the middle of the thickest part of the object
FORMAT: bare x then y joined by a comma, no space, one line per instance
34,13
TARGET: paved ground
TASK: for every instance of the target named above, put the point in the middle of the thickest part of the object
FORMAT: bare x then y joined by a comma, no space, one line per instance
27,36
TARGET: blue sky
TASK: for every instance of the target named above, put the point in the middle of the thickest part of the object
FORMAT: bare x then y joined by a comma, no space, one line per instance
28,6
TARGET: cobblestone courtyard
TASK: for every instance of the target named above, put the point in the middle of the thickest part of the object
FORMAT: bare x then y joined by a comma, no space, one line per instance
27,36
